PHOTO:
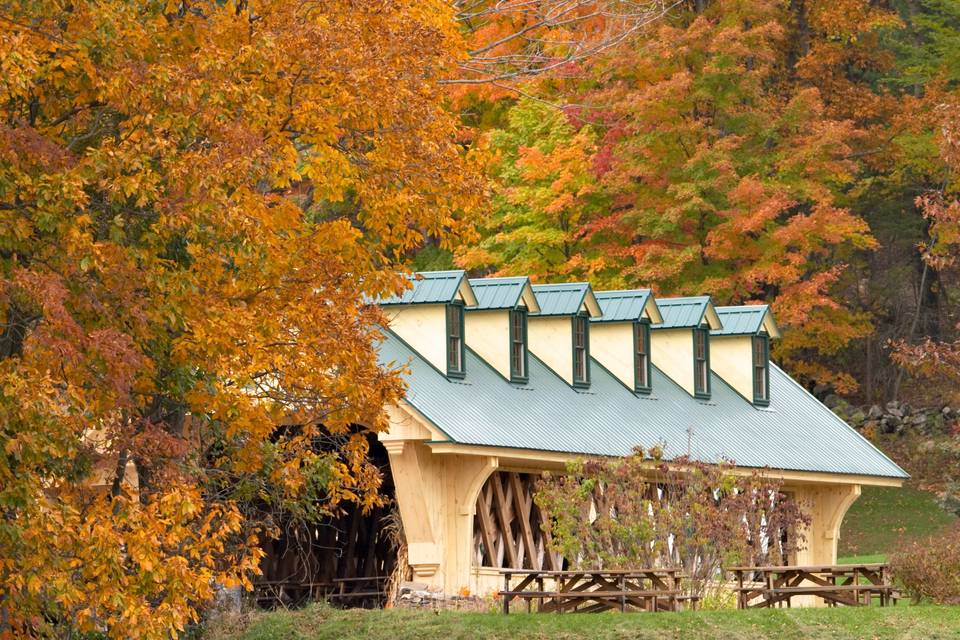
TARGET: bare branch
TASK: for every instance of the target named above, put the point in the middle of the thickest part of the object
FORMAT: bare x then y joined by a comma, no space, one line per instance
539,36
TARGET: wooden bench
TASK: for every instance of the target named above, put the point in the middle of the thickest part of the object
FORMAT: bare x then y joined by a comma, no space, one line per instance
356,590
644,589
826,592
835,584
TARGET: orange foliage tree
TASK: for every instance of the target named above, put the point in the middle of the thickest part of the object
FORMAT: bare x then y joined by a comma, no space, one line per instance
196,198
697,158
514,39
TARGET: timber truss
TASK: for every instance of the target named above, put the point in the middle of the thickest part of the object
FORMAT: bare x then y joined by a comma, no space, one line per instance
506,529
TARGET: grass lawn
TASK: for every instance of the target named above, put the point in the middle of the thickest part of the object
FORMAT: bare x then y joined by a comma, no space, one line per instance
882,516
320,622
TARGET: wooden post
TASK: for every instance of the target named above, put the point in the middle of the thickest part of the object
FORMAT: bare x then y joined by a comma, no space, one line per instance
674,587
885,584
560,581
623,597
741,595
506,598
856,583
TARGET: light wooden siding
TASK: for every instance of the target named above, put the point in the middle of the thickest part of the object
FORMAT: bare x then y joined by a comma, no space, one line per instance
672,353
611,344
731,358
423,327
488,334
551,340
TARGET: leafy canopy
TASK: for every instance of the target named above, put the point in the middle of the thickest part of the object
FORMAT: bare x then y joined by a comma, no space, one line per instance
195,200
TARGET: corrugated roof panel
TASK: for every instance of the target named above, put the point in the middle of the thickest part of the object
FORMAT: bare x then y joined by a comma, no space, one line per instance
560,299
794,433
746,320
429,287
498,293
621,306
679,313
743,320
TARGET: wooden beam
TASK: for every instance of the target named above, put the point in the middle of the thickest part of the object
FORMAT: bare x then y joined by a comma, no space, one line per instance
522,507
505,521
486,527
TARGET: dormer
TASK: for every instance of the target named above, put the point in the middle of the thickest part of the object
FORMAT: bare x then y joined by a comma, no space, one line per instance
681,343
560,333
741,350
497,327
620,338
429,316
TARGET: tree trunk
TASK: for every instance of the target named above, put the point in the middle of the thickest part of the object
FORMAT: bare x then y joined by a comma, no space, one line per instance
801,39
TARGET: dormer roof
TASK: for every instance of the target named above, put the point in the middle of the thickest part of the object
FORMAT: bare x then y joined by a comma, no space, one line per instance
566,299
627,305
746,320
504,293
682,313
435,287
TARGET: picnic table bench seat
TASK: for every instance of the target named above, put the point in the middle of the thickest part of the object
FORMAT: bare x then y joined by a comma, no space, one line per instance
641,589
834,584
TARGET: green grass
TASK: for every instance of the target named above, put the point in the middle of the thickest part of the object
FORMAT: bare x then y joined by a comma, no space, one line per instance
874,623
882,516
870,558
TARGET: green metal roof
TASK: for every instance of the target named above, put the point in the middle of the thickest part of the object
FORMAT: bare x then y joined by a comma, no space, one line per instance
680,313
623,306
742,320
499,293
564,299
796,432
429,287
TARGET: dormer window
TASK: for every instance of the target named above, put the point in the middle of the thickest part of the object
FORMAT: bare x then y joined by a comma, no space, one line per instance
701,362
518,345
641,357
761,370
581,351
455,345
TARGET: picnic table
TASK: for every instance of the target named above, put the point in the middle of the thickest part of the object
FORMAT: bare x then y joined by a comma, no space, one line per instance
270,592
588,590
849,584
358,591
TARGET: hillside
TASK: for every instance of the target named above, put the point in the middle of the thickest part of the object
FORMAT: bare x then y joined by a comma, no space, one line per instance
883,516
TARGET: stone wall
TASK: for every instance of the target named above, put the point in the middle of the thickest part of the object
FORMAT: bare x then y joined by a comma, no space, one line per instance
895,417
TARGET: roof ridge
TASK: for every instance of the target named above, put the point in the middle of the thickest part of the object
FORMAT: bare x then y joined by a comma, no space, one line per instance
684,299
622,292
576,285
737,308
487,280
444,272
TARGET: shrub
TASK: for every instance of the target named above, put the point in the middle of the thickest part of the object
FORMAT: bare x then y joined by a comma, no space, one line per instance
929,569
641,511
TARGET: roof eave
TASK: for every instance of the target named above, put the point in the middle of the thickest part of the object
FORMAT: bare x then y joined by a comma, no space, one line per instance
652,311
528,298
590,303
711,316
466,292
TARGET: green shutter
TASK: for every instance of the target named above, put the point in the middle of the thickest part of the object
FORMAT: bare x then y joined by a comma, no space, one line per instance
577,321
519,376
701,391
453,372
642,326
765,345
